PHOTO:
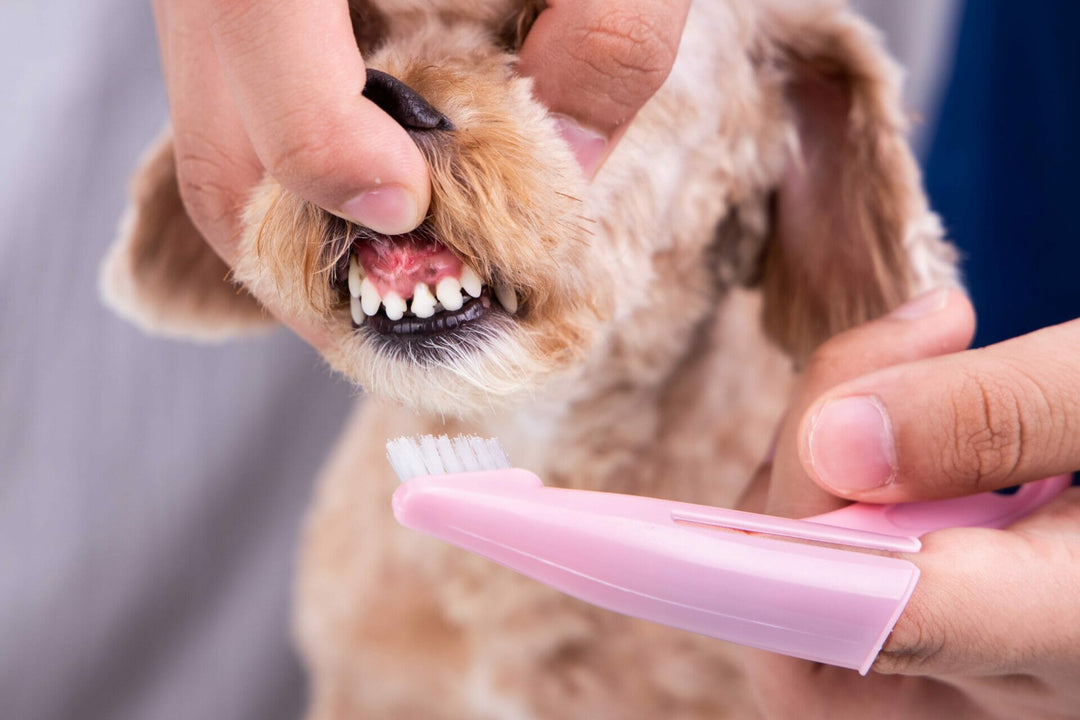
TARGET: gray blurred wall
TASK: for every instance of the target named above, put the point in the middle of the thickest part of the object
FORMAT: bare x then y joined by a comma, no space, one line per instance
150,491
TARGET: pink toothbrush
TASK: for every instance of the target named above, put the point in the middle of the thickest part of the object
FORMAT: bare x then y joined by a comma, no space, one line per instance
723,573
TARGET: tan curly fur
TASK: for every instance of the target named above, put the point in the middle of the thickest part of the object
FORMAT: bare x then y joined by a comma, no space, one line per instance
763,200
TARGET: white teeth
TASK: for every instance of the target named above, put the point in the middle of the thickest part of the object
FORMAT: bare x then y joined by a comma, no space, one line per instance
471,281
355,275
369,297
423,302
449,293
507,297
365,299
358,315
395,306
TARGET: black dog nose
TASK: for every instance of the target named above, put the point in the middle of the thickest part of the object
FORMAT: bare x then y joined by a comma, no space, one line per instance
403,103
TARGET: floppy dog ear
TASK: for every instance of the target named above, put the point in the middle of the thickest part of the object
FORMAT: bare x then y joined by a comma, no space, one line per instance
850,198
160,274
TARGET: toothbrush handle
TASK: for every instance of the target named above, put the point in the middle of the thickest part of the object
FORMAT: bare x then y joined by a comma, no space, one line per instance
992,510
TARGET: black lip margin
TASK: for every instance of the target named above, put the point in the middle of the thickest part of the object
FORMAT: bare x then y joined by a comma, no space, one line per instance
433,350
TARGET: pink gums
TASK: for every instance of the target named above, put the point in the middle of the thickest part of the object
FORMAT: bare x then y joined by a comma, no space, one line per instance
398,263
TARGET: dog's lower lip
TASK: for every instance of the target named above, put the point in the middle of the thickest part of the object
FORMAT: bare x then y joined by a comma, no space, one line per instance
442,322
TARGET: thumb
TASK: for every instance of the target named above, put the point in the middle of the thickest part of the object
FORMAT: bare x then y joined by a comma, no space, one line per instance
938,322
596,63
953,425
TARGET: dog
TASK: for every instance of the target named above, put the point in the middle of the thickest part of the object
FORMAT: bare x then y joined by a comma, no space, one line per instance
636,333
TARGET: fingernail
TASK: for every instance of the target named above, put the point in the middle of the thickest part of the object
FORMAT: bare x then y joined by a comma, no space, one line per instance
388,209
851,445
588,145
926,304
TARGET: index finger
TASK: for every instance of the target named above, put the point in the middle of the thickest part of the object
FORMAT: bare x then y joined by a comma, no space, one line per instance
215,163
296,75
990,602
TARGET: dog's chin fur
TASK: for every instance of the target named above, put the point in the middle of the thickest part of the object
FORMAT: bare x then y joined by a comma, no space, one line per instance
766,189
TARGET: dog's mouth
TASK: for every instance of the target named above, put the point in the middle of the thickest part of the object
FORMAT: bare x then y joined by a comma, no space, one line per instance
413,286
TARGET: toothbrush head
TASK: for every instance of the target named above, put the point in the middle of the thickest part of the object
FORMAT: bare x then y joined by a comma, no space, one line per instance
430,455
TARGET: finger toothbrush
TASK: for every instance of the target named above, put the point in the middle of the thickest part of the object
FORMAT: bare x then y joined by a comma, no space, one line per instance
732,575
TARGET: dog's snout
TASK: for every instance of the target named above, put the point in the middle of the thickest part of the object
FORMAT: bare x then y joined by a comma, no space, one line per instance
403,103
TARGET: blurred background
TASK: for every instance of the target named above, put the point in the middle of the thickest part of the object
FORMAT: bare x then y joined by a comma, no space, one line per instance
151,492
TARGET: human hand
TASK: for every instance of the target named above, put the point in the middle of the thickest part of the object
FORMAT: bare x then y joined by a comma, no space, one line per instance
993,628
251,92
595,63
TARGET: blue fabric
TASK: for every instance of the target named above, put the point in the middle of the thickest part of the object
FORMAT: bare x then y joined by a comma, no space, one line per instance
1003,164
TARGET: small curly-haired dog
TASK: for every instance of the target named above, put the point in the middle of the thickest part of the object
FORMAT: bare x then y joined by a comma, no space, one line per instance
633,334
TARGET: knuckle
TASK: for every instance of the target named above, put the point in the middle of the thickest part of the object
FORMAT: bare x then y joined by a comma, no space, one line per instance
1047,410
630,52
987,433
305,150
917,641
824,360
832,361
199,172
234,20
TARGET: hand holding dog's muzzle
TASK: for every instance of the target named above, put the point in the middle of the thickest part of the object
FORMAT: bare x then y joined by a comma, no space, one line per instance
258,87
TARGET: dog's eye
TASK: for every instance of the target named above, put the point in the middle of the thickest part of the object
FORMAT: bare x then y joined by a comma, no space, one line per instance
403,103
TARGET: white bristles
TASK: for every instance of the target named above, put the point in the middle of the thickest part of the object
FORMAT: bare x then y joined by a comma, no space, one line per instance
450,461
405,458
431,455
464,453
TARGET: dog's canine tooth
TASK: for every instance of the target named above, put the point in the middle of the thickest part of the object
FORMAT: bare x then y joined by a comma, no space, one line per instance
370,300
423,302
470,280
448,291
395,306
507,297
356,274
358,315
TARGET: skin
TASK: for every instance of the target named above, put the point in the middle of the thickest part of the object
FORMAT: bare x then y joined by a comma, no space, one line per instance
249,93
595,63
993,628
